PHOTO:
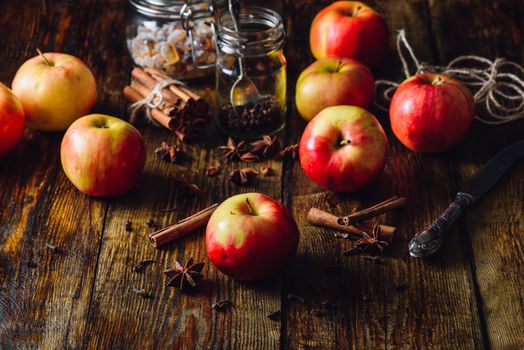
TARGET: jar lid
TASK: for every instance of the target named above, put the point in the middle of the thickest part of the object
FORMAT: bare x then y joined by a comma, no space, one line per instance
171,8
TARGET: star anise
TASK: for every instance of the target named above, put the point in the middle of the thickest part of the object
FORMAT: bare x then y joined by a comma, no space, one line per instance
372,243
290,152
172,154
266,171
185,276
212,171
242,176
232,150
265,147
250,157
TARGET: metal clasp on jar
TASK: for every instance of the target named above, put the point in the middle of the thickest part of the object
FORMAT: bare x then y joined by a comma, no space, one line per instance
186,14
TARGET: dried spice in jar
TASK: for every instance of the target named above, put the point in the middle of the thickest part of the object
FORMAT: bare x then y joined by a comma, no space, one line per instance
252,52
176,37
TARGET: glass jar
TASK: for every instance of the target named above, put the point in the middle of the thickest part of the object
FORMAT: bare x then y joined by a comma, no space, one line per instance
255,53
176,37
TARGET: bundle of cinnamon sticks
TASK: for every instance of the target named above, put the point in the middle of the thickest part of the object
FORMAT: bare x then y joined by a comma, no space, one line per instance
181,110
355,223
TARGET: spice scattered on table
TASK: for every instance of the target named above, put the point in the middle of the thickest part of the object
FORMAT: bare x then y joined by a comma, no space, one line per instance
249,157
182,227
142,292
243,176
373,211
290,152
187,276
266,171
275,315
370,243
212,171
150,223
252,118
140,266
128,225
222,305
53,248
265,147
171,153
233,150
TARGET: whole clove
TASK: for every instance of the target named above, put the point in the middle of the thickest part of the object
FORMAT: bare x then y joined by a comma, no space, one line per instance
128,226
139,267
222,305
150,223
54,249
275,315
142,292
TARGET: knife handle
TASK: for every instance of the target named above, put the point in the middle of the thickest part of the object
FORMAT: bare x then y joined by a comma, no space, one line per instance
429,241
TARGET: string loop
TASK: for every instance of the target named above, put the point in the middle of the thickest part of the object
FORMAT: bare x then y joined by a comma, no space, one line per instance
497,85
155,99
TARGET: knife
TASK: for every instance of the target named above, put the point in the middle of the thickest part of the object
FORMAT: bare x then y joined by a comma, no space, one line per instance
429,241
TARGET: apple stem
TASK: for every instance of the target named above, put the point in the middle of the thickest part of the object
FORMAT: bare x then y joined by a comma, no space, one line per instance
41,54
345,142
356,11
337,69
251,211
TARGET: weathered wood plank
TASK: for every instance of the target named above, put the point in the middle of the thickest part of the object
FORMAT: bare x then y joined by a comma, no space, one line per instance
495,224
434,310
171,319
53,294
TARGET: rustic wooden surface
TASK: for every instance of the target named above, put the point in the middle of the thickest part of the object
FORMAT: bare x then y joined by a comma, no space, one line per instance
468,296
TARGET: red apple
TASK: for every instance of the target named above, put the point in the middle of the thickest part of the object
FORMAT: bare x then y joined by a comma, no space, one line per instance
55,90
12,120
103,156
333,81
343,148
349,29
251,236
431,112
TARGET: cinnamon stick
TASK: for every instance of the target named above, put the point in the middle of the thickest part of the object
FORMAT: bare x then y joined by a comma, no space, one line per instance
182,227
133,95
149,82
177,90
373,211
321,218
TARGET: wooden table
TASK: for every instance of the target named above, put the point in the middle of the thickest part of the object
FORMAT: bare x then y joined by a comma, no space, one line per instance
468,296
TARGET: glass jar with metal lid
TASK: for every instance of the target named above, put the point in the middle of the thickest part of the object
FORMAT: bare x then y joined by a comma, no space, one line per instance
250,72
174,36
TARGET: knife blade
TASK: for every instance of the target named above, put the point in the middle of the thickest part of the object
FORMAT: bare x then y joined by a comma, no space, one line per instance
429,241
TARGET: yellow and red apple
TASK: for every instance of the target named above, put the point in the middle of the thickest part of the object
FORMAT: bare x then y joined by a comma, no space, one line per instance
333,81
12,120
349,29
343,148
102,156
251,236
431,112
55,90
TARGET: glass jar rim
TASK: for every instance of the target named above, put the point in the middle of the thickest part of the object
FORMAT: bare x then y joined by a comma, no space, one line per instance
269,37
171,9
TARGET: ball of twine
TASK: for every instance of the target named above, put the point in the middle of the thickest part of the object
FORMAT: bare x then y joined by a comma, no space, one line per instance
497,85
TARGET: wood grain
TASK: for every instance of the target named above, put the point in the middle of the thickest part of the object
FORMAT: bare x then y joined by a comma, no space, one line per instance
467,296
494,224
372,313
